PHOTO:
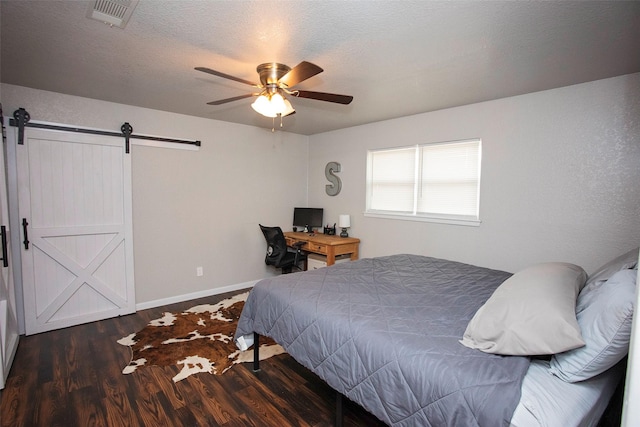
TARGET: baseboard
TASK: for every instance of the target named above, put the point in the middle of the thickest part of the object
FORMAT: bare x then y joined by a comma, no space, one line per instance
195,295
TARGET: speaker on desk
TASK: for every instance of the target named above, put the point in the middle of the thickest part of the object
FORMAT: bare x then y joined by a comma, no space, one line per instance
330,231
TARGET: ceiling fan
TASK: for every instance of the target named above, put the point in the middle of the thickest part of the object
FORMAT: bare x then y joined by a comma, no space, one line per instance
276,81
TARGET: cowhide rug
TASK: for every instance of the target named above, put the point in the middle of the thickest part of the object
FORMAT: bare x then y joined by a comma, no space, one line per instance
199,339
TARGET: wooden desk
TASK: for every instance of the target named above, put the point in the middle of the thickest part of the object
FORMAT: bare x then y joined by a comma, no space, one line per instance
322,244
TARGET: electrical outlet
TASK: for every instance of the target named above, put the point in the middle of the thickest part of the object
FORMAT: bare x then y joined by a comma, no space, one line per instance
199,271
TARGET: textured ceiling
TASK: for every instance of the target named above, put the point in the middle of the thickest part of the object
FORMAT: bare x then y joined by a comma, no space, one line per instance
396,58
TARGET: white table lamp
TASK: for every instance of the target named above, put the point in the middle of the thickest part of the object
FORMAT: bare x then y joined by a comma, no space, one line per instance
344,222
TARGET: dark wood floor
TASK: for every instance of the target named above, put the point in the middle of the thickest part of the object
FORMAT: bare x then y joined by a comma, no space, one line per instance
73,377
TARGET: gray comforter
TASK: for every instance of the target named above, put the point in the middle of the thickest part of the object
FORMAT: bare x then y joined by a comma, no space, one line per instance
384,332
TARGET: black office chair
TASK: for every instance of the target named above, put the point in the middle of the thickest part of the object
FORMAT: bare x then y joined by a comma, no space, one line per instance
278,254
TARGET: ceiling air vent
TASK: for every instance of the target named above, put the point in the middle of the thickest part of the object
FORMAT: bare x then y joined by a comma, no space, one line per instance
115,13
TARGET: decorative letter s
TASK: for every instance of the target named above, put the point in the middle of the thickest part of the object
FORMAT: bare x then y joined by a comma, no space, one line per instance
336,185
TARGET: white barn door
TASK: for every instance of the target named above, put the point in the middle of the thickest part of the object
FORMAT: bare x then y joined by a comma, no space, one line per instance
74,196
9,335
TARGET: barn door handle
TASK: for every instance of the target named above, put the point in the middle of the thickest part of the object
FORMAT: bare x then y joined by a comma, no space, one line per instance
3,240
26,236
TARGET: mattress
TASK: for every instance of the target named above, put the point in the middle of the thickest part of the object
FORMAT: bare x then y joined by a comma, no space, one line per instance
549,401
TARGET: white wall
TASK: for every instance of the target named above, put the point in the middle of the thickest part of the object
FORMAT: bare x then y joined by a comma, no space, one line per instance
192,208
560,174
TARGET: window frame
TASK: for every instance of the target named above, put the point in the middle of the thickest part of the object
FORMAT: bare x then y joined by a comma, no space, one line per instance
453,219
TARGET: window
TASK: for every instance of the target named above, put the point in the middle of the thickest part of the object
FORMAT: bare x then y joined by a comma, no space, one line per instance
429,182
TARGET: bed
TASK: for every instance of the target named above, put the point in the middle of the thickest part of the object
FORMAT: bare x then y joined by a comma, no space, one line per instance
387,333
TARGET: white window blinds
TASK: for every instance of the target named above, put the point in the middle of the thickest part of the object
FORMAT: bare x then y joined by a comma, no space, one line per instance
439,180
393,180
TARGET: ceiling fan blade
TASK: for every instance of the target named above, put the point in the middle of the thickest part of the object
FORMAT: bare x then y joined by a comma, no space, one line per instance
226,76
323,96
299,73
235,98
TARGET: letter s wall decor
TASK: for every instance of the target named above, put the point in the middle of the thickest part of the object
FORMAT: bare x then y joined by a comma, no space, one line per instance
336,185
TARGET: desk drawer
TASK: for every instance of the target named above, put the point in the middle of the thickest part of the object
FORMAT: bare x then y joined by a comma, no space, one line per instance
316,247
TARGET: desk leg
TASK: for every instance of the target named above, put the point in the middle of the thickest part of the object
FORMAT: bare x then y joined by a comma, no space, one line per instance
331,256
354,254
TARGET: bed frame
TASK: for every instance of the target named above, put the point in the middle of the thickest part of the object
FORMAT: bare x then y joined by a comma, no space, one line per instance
256,368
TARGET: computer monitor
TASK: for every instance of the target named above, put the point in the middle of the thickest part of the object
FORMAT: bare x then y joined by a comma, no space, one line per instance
310,217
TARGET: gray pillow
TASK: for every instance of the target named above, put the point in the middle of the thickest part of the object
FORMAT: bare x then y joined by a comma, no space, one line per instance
604,313
531,313
622,262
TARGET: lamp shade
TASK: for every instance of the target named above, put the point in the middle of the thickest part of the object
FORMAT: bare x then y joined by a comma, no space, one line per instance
262,105
289,108
277,104
273,105
344,221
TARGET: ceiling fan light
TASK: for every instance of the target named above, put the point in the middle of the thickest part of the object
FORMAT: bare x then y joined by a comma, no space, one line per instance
262,105
288,108
277,103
